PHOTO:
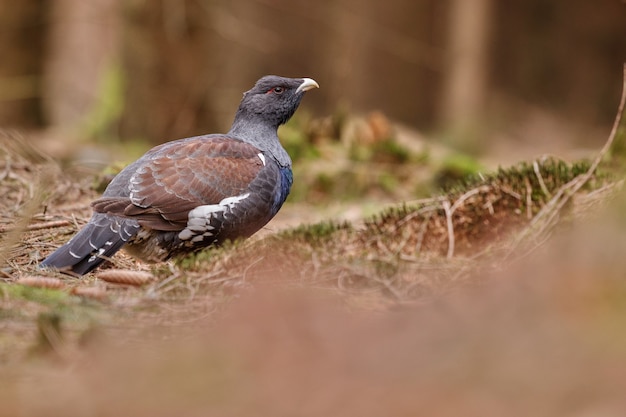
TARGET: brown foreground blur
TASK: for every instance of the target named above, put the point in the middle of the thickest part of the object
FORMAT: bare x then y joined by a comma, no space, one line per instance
543,337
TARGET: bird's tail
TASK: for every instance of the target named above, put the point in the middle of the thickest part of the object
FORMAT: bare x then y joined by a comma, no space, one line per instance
93,244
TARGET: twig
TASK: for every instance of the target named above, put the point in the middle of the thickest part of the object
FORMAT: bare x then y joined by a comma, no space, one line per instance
383,248
423,201
616,123
461,200
48,225
403,242
427,209
507,190
244,275
449,211
529,199
542,184
7,168
489,206
577,183
422,232
450,226
161,286
553,208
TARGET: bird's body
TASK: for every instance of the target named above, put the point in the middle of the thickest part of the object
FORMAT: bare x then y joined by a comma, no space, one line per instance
188,194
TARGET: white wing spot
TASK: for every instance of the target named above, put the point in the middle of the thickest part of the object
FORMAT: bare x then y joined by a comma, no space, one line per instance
185,234
93,257
262,158
199,219
231,201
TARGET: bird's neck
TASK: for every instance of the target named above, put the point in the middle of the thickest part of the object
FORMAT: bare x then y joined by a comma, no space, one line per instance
261,134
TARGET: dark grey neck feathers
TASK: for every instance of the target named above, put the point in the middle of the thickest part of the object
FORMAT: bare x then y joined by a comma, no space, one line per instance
269,104
262,135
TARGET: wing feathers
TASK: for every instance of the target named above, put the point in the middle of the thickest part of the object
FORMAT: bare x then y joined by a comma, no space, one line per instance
178,178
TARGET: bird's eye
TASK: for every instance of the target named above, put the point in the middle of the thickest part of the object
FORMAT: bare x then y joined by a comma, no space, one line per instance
278,90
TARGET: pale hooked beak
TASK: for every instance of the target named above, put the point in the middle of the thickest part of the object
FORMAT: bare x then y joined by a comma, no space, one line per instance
307,84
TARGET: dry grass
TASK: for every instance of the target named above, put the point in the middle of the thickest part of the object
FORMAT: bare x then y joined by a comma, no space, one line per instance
405,254
541,338
506,297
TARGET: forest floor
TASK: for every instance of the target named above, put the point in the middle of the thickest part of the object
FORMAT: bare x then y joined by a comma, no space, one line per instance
503,295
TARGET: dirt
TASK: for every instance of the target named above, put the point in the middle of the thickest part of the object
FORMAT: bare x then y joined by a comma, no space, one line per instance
392,312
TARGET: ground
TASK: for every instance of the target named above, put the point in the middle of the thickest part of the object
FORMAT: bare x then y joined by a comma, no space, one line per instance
503,295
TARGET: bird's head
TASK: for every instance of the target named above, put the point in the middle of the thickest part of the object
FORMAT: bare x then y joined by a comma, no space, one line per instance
274,99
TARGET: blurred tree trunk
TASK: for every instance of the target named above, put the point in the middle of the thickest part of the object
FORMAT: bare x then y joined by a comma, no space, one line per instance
167,61
465,85
81,48
23,28
348,51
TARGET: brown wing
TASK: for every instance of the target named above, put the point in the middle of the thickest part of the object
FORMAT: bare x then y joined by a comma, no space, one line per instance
178,178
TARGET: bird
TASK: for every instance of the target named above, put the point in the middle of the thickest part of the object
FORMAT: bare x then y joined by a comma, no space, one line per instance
189,194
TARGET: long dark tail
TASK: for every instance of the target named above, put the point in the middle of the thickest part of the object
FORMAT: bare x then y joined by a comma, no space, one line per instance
99,239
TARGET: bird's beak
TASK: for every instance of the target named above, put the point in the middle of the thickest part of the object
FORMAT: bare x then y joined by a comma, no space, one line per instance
307,84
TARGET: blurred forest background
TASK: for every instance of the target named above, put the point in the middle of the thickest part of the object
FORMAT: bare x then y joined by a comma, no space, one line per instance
470,71
507,294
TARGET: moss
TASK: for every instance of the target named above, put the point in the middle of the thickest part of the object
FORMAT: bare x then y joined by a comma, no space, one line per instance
384,151
314,232
454,169
195,261
340,186
360,152
132,150
297,143
324,184
102,180
388,181
499,203
51,309
45,296
50,333
101,122
553,173
390,151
